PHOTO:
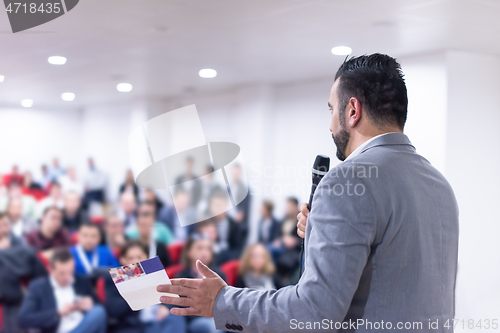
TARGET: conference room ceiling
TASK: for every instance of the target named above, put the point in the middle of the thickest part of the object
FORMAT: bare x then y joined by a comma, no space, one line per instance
159,46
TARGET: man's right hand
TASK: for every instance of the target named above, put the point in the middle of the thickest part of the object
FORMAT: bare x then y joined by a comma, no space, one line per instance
66,310
302,218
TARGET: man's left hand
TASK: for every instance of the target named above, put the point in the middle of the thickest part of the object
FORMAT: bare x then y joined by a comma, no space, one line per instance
200,294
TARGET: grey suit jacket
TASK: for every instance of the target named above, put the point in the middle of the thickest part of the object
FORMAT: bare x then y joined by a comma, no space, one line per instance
381,249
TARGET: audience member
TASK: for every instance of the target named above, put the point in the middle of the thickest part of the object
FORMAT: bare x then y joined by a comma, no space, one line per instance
129,184
199,247
73,213
90,257
55,198
161,233
151,197
257,269
50,234
63,302
145,228
20,225
122,319
239,190
114,232
269,228
231,236
14,176
30,184
46,176
56,171
14,191
127,208
181,210
95,184
190,182
70,183
17,263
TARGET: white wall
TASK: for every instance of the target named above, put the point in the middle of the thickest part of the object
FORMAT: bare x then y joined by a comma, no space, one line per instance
31,137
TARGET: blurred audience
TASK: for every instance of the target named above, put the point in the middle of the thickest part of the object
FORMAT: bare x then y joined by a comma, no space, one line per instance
14,176
29,205
146,231
129,184
18,263
29,184
239,190
181,210
69,182
95,184
55,198
20,225
147,214
269,227
56,170
114,231
127,208
73,213
190,182
62,302
122,319
90,257
50,234
199,247
257,269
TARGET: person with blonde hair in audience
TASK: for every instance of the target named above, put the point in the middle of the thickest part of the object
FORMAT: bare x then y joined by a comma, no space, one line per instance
20,225
257,269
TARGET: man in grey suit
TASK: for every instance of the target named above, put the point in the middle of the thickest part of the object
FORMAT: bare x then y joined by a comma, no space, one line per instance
381,239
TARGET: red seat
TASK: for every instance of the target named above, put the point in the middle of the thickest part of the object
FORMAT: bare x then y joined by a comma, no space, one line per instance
230,270
175,251
45,261
74,238
173,271
100,290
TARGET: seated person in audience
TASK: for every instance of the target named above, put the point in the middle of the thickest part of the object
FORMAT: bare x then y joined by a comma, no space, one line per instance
114,231
286,250
151,197
55,198
46,177
14,191
62,302
17,263
50,234
29,184
90,257
145,228
269,227
231,236
199,247
70,183
14,176
257,270
129,184
127,208
73,213
181,210
161,233
20,225
122,319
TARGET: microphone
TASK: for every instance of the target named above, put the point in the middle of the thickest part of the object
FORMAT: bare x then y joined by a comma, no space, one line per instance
319,170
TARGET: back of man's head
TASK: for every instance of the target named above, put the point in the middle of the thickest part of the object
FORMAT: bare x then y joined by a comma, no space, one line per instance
62,266
377,81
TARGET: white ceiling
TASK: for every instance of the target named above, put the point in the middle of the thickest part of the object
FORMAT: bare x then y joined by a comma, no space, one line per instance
159,45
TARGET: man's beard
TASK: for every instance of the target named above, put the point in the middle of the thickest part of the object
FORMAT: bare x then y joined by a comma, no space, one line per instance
341,140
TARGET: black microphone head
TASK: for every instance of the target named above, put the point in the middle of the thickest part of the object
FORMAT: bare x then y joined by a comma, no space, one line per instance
321,165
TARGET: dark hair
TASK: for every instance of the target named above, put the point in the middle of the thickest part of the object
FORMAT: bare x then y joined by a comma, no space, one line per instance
293,200
3,215
130,244
90,225
61,254
268,205
377,81
193,238
49,208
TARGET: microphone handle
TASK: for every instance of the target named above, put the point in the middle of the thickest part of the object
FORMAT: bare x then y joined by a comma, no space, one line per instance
309,206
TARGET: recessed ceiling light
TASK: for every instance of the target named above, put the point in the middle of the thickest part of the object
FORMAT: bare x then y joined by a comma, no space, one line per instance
68,97
27,103
208,73
2,78
124,87
341,50
57,60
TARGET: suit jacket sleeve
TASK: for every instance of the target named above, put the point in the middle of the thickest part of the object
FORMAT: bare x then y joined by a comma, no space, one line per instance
340,231
32,314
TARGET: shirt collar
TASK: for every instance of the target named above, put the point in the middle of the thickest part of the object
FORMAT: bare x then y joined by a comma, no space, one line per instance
358,150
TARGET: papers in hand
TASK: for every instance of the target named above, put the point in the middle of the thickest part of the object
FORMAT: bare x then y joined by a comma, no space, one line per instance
137,282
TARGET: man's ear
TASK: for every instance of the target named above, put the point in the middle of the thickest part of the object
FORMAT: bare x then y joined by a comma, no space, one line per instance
355,112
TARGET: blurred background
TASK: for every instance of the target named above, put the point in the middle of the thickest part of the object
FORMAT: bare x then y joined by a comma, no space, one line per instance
129,61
